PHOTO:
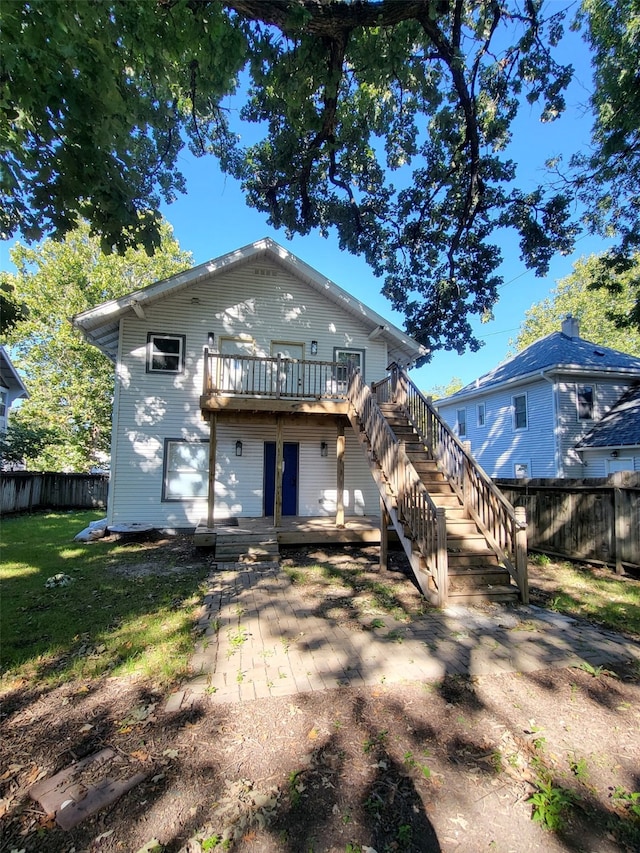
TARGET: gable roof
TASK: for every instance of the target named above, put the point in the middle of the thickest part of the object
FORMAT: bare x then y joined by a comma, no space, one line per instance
620,427
555,353
9,375
100,324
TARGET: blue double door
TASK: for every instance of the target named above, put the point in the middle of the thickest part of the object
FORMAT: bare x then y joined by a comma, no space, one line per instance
289,477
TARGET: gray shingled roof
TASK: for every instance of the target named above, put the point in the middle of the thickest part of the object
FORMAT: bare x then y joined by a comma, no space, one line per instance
620,427
556,352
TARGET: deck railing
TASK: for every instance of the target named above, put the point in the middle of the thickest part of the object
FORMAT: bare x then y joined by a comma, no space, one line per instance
258,376
414,506
503,525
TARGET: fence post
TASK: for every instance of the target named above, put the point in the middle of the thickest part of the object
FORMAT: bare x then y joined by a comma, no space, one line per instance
618,525
521,553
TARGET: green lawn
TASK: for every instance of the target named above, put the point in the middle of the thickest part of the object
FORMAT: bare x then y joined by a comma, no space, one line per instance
106,620
588,592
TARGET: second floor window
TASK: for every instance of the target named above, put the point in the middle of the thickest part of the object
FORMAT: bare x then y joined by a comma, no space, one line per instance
520,420
584,400
165,353
461,418
481,414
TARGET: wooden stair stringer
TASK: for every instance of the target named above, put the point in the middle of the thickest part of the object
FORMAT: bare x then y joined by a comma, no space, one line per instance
425,579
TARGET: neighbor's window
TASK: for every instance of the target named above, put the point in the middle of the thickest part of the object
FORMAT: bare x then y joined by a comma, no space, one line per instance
521,470
584,399
165,353
481,414
186,470
520,411
3,403
461,419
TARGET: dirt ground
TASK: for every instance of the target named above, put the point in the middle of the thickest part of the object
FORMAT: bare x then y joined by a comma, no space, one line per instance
436,766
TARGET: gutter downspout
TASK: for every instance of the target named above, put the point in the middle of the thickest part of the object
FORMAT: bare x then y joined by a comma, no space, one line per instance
557,455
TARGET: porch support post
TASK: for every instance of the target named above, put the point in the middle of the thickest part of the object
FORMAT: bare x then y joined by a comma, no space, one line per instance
385,520
277,503
340,443
212,469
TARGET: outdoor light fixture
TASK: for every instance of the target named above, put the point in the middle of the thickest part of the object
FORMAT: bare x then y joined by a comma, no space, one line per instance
314,347
614,453
324,448
211,340
238,448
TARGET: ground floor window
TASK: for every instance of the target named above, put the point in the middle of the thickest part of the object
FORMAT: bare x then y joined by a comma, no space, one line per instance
186,470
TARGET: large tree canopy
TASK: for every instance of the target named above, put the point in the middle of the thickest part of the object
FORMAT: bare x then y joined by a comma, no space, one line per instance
606,180
65,424
597,309
386,120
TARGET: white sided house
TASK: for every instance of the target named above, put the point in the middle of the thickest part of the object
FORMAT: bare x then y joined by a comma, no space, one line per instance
252,393
563,407
11,388
249,349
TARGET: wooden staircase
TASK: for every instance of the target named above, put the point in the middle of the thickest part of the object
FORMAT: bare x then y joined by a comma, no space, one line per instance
475,573
463,539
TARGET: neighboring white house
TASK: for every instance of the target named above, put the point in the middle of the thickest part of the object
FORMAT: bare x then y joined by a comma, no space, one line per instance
194,354
11,388
543,412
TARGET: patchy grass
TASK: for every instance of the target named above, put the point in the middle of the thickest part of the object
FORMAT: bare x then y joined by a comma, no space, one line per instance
588,592
110,618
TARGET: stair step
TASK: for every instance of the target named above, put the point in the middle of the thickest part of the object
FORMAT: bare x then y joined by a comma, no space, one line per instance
493,593
473,543
461,560
472,577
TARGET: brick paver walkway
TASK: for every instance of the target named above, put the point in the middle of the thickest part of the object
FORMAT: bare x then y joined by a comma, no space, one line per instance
260,638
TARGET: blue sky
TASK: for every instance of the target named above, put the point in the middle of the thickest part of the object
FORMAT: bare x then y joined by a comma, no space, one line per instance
212,219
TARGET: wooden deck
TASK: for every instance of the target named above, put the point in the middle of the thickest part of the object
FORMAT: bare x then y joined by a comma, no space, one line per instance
294,530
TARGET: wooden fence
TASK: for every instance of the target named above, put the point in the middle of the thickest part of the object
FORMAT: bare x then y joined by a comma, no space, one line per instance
591,519
23,491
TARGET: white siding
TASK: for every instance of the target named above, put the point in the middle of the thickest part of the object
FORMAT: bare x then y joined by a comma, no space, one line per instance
497,446
571,430
265,302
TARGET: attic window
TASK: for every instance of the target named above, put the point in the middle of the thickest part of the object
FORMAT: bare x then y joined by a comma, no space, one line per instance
165,353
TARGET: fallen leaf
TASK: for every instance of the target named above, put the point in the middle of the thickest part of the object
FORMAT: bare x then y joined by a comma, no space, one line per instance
35,775
460,821
11,770
313,734
152,846
171,753
103,836
86,728
140,754
157,777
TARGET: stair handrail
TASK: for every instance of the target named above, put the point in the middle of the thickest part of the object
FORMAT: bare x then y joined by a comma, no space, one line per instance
504,526
425,521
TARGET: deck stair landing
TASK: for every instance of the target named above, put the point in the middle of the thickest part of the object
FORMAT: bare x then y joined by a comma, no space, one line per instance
238,545
475,573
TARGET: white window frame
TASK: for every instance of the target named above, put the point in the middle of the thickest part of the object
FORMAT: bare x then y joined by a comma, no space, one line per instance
481,419
517,428
461,427
152,337
522,469
592,415
180,473
4,397
341,364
